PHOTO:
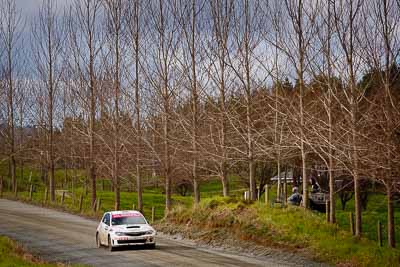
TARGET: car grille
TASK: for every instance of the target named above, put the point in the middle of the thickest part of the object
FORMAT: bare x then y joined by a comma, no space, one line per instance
132,241
135,233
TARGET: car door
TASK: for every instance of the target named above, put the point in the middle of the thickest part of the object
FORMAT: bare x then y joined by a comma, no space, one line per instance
105,224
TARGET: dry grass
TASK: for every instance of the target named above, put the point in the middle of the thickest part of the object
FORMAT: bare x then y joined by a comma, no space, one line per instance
292,229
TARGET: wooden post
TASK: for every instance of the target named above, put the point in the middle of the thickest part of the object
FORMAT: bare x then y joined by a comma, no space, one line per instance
85,189
45,195
73,191
80,203
30,187
98,204
133,206
62,198
94,205
30,192
327,211
266,194
352,223
246,195
152,214
1,186
379,231
16,189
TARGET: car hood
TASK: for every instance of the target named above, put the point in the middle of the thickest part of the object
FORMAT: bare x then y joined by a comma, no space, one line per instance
133,228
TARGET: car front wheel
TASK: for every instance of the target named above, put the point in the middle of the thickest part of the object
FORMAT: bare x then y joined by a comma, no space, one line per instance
110,246
98,245
98,242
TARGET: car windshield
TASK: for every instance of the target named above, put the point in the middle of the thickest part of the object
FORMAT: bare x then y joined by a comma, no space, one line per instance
129,218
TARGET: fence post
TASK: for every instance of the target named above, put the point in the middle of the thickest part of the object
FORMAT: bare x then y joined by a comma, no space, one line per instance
98,205
266,194
152,214
246,195
62,198
94,205
80,203
352,223
133,206
85,190
30,192
73,191
327,210
45,195
16,189
1,186
379,233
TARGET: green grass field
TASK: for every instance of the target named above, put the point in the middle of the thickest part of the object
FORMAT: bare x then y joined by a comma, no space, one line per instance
376,211
291,228
153,197
12,255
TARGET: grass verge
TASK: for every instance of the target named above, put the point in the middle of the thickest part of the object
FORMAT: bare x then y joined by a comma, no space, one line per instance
11,255
292,229
71,202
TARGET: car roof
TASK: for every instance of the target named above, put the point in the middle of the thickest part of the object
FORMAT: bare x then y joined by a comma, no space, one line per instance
124,211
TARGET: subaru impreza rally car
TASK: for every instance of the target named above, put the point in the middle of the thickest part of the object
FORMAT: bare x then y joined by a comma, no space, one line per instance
124,228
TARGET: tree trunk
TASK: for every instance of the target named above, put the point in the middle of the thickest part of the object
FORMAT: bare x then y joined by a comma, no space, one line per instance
278,188
92,167
304,174
137,110
224,180
50,103
357,204
167,157
390,214
357,193
332,195
11,124
52,185
253,187
196,188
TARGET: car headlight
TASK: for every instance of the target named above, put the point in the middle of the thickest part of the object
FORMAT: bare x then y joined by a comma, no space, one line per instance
119,233
150,232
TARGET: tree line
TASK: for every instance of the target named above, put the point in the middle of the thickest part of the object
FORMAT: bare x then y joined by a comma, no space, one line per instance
196,89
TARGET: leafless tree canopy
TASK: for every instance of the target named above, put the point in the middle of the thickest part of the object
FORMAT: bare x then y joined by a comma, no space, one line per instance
181,92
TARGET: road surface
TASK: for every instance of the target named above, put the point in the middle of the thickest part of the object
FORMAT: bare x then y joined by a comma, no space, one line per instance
61,237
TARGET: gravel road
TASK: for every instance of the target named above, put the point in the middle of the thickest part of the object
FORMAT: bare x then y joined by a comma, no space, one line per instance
61,237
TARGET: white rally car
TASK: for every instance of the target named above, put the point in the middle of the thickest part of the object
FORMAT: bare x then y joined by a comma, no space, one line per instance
124,228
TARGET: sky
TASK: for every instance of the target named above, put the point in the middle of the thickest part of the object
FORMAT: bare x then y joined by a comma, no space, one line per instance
30,7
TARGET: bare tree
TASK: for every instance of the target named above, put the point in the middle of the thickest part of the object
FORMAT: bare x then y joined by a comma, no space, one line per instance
161,68
134,33
295,45
247,38
346,20
381,19
221,26
84,35
10,28
189,17
325,86
115,23
48,45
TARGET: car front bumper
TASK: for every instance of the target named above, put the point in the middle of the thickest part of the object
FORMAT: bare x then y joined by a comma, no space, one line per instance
132,240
